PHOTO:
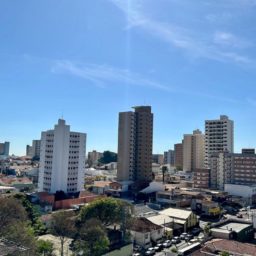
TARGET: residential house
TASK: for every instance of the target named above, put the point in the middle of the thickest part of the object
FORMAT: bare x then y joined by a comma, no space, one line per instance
185,218
144,232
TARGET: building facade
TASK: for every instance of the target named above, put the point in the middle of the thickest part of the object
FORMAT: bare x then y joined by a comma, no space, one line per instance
169,157
158,159
201,178
219,137
135,139
228,168
193,151
5,148
62,160
178,151
29,151
93,157
36,146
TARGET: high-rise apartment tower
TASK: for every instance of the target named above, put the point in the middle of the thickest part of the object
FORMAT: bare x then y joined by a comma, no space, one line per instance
135,139
219,137
193,151
62,160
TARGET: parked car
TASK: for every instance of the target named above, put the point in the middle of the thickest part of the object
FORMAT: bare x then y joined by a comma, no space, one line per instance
177,239
174,241
157,249
182,236
160,245
167,243
136,254
150,251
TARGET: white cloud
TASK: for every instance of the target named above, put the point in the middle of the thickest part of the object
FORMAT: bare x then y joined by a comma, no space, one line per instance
101,75
197,44
105,75
227,39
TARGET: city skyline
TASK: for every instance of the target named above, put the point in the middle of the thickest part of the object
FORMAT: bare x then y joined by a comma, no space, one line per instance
89,61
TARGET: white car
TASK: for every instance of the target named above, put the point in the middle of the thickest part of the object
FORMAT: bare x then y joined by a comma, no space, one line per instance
150,251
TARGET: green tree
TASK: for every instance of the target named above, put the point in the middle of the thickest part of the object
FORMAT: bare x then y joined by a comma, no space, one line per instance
93,239
44,247
32,213
207,229
108,157
11,212
224,254
107,210
62,226
14,224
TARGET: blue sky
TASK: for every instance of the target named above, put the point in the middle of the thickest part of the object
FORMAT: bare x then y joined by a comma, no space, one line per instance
88,60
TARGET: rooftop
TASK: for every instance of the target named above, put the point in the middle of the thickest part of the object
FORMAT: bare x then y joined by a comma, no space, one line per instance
176,213
143,225
219,245
233,226
160,219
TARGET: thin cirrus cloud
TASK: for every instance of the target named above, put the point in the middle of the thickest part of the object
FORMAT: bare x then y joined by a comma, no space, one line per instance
218,46
101,75
229,40
104,75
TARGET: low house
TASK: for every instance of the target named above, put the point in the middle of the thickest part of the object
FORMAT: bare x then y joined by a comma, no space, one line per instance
119,189
177,197
165,221
236,231
206,208
218,246
184,218
247,192
100,187
144,232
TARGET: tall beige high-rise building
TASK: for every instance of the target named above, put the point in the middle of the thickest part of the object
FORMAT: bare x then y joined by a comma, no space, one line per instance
93,157
178,155
193,151
219,137
135,139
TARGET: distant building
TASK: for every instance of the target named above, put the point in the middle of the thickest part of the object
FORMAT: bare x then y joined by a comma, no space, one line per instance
221,168
193,151
135,139
232,168
29,151
169,157
249,151
94,157
219,137
158,159
247,192
5,148
62,160
202,178
178,151
36,147
34,150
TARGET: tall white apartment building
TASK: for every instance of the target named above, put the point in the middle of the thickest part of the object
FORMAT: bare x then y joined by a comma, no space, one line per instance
219,137
62,160
193,151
